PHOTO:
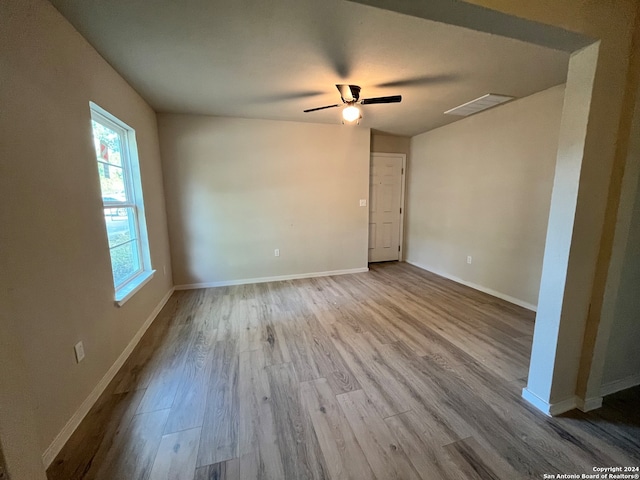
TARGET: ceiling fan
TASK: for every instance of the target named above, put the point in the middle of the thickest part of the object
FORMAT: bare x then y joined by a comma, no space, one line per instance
350,95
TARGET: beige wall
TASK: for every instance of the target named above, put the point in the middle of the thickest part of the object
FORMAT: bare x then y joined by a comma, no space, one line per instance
55,268
620,205
619,331
237,189
622,363
18,430
482,187
381,143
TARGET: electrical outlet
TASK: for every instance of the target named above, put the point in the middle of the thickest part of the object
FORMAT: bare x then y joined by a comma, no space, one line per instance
469,259
79,349
363,202
276,252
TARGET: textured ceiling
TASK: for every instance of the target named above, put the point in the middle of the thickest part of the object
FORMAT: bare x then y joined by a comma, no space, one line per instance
273,59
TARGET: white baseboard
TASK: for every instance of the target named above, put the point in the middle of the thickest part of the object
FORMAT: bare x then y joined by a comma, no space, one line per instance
585,405
618,385
52,451
503,296
550,409
589,404
276,278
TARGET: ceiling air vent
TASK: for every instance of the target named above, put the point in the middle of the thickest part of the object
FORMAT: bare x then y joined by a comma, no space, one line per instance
481,103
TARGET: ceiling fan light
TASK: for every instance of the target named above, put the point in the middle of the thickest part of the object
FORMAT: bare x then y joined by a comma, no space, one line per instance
351,113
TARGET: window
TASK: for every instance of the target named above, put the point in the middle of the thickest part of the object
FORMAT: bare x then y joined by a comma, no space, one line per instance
119,173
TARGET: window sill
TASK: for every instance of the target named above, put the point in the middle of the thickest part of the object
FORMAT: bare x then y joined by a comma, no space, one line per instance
130,289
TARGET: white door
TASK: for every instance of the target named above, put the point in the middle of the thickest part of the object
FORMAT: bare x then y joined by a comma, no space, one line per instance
385,194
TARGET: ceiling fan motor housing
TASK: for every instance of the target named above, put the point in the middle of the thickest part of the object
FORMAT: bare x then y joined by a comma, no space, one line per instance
355,94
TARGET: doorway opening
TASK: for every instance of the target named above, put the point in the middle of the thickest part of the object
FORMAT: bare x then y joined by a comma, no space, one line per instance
386,206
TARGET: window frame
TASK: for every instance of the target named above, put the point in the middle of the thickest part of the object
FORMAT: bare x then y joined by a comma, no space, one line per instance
132,181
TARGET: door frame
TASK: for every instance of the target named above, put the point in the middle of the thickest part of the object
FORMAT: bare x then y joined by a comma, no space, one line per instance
403,207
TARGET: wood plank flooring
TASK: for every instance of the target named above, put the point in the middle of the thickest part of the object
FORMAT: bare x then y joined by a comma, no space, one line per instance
391,374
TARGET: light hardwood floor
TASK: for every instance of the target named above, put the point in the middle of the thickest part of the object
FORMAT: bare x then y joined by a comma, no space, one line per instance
392,374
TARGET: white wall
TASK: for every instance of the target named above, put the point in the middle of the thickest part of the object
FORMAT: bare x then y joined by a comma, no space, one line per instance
237,189
56,274
482,187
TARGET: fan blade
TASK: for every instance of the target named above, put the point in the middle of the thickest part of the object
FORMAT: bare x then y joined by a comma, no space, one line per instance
321,108
283,97
349,93
333,47
391,99
420,81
